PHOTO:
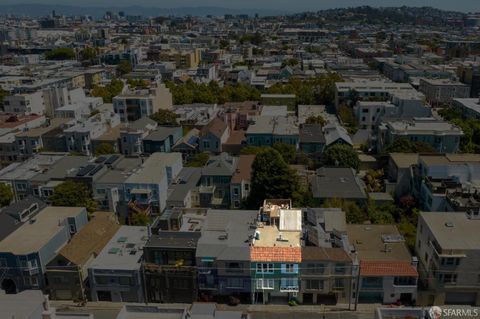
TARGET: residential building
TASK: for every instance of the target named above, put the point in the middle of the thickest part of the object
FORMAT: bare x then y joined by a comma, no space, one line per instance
188,144
25,252
400,173
213,135
132,105
214,190
469,108
47,137
11,216
438,176
268,130
442,92
311,139
162,139
337,182
351,92
148,185
79,136
67,273
223,255
444,137
276,253
170,272
240,183
132,135
24,104
448,247
327,276
183,191
116,274
387,272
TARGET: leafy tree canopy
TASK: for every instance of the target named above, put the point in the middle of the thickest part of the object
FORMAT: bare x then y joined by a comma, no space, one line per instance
404,145
60,54
165,117
73,194
124,67
6,195
341,156
104,149
199,160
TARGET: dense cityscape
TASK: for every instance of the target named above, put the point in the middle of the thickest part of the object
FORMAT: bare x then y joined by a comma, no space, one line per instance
322,164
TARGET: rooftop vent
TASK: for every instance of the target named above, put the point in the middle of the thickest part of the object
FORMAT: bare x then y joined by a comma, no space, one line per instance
449,224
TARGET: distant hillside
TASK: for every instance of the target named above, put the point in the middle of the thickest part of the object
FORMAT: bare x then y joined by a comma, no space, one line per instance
37,10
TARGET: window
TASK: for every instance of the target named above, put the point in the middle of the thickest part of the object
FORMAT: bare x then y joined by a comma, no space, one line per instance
34,281
265,268
340,268
450,261
265,284
314,284
339,284
125,281
3,262
314,269
247,186
289,268
235,191
450,278
234,283
206,144
234,267
289,283
404,281
101,280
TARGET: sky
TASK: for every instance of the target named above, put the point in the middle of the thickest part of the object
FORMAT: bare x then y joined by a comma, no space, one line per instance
283,5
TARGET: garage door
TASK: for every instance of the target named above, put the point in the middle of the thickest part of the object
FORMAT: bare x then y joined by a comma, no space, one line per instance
63,294
460,298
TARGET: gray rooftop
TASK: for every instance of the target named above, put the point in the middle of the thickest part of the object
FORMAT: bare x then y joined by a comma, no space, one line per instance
225,234
124,251
312,133
26,170
186,180
462,235
337,182
9,216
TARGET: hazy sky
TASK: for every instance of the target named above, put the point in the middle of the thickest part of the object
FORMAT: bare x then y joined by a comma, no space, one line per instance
286,5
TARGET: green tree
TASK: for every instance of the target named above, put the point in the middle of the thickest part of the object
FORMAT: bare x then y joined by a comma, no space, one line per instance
104,149
60,54
140,219
165,117
124,67
347,117
108,92
6,195
404,145
271,178
316,120
353,213
3,94
290,62
73,194
252,150
287,151
137,83
374,180
340,155
199,160
379,215
88,54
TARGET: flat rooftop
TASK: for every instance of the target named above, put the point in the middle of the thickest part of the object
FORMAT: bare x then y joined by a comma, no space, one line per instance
378,242
453,230
124,251
270,236
31,237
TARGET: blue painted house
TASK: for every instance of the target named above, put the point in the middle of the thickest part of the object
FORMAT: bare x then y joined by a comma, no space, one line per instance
25,253
269,130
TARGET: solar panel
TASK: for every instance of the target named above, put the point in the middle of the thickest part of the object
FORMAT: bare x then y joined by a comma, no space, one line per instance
100,159
95,170
112,159
84,171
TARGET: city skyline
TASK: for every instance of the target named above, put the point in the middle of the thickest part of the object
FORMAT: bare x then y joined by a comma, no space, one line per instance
264,5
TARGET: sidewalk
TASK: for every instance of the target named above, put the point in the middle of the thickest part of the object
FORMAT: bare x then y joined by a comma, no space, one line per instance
339,308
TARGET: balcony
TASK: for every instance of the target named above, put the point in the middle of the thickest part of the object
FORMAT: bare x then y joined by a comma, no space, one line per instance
289,289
